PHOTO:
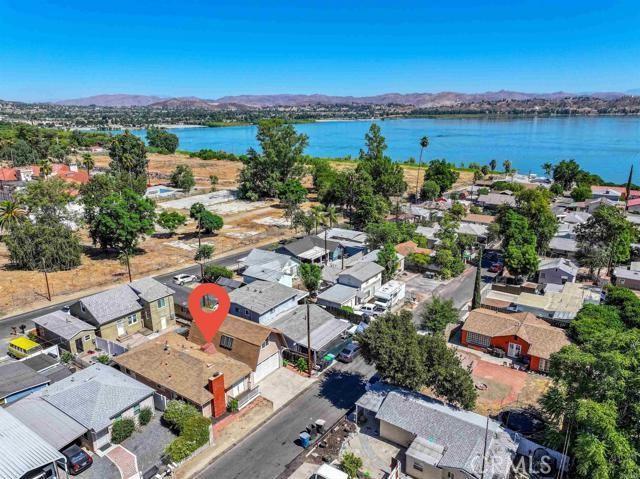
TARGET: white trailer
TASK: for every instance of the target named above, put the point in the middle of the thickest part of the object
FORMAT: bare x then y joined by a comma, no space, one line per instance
390,294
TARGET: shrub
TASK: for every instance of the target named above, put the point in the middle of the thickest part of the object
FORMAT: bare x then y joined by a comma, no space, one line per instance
179,449
351,464
196,430
347,309
213,272
66,357
103,358
177,413
122,429
233,405
145,415
302,365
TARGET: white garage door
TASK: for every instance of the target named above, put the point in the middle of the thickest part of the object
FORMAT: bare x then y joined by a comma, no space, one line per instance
266,367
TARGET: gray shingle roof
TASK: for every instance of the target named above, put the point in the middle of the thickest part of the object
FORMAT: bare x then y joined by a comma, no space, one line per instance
94,396
21,449
562,264
262,257
16,376
497,199
262,296
47,421
363,271
563,244
264,272
62,324
308,242
461,433
338,293
112,304
150,289
324,326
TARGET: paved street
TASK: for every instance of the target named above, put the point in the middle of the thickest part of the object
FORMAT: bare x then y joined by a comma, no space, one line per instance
266,453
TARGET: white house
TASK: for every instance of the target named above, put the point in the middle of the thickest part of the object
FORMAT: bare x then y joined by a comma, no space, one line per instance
366,277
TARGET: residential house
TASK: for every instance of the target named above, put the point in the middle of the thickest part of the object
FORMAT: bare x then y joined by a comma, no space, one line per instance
429,232
18,380
24,454
66,331
179,369
411,247
366,277
519,335
628,276
263,301
127,309
326,330
564,247
479,232
351,241
495,200
269,266
47,421
312,249
575,217
557,271
442,441
95,397
12,179
338,296
614,193
592,205
257,346
478,219
228,284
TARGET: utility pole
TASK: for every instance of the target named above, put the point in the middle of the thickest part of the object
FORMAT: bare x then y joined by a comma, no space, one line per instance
628,190
309,336
46,279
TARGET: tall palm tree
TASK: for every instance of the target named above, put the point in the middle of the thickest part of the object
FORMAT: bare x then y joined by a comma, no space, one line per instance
311,275
11,213
331,215
318,215
424,143
547,168
88,162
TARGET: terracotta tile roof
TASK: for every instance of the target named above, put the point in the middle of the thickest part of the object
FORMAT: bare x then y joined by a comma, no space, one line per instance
179,365
480,219
543,338
408,247
57,169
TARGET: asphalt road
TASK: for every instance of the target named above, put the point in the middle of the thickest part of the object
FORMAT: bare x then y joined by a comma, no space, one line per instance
7,324
268,450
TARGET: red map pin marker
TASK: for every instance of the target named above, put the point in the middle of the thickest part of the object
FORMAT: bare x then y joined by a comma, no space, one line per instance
208,322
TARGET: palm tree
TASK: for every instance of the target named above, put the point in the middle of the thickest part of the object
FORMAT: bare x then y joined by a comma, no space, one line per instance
311,275
88,162
45,168
11,213
493,164
318,215
331,215
547,168
424,143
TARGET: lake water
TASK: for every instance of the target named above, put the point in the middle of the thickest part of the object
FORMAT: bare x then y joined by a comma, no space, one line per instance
606,146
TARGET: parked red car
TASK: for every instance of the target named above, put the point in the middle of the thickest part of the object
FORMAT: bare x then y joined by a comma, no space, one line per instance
496,268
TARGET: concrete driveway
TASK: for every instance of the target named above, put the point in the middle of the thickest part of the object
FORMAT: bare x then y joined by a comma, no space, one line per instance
282,385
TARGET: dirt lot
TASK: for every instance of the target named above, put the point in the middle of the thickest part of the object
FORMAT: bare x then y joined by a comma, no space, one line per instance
506,387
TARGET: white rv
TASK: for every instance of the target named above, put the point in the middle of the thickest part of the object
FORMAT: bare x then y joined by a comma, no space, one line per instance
390,294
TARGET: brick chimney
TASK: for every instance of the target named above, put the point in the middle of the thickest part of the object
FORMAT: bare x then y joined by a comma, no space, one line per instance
216,388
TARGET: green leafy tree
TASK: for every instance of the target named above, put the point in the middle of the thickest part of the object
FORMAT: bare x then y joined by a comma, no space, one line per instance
369,208
88,162
547,168
93,193
387,176
442,173
291,194
171,221
47,198
311,275
19,153
161,139
430,190
46,244
608,230
213,179
129,157
476,302
566,173
378,234
581,193
388,259
122,429
203,254
535,206
122,220
182,178
279,160
437,314
302,220
212,272
521,260
351,465
211,222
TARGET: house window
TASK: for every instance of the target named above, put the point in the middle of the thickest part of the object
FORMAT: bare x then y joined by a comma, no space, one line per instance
162,302
264,344
226,342
132,319
543,365
136,409
417,466
87,338
478,339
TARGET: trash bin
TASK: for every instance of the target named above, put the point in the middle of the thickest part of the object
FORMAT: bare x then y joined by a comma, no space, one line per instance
305,439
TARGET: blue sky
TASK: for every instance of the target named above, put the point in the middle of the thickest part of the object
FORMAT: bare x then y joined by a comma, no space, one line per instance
66,49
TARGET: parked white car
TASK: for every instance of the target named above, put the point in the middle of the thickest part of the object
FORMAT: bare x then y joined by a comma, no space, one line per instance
181,279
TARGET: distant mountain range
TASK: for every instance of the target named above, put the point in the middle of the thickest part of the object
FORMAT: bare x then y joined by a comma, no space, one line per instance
419,100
